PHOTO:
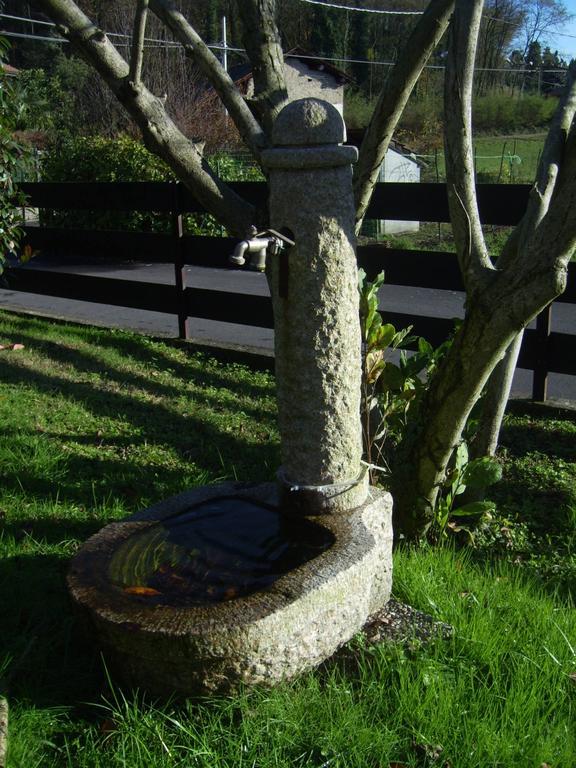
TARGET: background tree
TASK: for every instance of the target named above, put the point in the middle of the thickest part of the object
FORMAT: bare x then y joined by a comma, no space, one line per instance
502,297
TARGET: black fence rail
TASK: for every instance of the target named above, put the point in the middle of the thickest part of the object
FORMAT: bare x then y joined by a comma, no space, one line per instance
544,351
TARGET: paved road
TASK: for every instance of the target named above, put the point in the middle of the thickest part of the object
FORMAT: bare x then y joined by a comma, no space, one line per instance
394,298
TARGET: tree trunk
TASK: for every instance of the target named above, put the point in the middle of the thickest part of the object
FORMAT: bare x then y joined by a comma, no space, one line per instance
423,455
485,440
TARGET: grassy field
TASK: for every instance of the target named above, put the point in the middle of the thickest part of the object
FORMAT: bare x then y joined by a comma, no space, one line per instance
97,423
498,159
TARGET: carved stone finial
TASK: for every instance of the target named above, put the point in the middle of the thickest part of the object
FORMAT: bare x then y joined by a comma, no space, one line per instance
308,121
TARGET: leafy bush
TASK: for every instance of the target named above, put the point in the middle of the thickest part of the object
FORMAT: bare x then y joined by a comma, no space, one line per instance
390,397
501,112
390,391
98,159
13,159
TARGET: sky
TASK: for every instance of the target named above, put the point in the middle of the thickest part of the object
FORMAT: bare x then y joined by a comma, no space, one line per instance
566,45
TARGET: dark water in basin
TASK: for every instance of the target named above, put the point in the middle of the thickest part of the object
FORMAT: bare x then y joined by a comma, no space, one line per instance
216,550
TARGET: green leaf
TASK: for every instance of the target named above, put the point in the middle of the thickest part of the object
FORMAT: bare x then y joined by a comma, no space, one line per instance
391,377
386,335
474,509
461,457
482,472
425,347
401,336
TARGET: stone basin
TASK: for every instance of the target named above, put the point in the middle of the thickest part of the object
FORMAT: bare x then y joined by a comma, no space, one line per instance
216,588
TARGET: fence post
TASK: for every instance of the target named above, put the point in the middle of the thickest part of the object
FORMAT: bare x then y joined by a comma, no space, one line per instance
179,274
540,377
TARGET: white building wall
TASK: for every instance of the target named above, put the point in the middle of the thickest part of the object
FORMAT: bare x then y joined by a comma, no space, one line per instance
400,168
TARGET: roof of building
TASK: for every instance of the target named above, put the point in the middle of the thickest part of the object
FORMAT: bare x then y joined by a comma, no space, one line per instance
355,136
240,73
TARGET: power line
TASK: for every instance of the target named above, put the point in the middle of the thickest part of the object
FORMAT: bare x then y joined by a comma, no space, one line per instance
362,10
337,59
5,33
340,7
428,66
157,43
30,21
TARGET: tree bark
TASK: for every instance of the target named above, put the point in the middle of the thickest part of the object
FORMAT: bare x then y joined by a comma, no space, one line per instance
262,43
473,257
137,54
485,441
489,328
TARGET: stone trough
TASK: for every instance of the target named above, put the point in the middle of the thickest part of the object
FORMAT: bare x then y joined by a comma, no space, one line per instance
167,643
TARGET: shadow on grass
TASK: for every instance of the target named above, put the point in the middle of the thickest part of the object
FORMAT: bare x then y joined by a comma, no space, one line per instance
147,350
200,371
50,661
530,438
203,450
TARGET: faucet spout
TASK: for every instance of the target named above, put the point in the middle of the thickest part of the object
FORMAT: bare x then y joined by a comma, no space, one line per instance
256,246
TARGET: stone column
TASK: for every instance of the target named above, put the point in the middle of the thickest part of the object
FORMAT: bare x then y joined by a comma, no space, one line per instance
316,310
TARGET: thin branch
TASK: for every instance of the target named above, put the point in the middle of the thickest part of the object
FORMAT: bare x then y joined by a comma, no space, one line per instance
421,43
160,133
262,43
472,251
555,183
555,237
137,54
552,170
198,51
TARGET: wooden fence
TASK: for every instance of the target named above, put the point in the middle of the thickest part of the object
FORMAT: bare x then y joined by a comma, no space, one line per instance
543,350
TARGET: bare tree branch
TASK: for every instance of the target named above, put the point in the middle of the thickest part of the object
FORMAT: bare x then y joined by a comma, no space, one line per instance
556,177
160,133
137,53
262,43
196,48
393,98
472,251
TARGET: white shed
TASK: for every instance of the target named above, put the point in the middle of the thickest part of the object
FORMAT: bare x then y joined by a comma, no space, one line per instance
399,165
307,76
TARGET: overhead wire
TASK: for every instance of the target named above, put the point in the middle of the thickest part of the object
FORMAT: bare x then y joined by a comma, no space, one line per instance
384,12
363,10
156,43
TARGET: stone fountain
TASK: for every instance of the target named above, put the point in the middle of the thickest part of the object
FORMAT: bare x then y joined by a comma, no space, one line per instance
235,583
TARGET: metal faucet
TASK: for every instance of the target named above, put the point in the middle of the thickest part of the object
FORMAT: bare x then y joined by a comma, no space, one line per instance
257,244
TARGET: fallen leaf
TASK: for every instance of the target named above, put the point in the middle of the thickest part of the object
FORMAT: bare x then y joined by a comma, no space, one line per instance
146,591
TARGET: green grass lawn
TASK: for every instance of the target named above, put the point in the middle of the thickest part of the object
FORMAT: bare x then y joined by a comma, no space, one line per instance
94,424
498,159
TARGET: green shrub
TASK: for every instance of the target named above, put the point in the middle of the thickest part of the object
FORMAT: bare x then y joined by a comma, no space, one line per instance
14,159
98,159
503,112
